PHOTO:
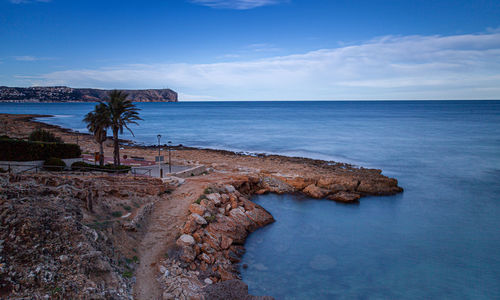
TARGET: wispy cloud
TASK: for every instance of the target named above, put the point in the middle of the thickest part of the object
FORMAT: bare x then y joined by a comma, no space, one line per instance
251,50
263,47
390,67
236,4
29,58
28,1
25,58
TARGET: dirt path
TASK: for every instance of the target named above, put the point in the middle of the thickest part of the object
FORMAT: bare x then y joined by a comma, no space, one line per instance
167,217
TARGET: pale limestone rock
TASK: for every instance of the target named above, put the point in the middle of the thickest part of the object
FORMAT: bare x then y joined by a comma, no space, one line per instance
185,240
199,219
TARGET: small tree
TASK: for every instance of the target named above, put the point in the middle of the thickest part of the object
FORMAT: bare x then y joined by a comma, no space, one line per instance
98,121
40,135
122,113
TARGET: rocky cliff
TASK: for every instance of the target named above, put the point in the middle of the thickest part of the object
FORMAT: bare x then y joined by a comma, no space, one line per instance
67,94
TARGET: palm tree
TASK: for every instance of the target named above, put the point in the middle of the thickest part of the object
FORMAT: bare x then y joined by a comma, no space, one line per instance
122,112
98,121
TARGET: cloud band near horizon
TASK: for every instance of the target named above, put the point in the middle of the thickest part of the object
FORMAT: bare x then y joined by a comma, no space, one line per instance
390,67
236,4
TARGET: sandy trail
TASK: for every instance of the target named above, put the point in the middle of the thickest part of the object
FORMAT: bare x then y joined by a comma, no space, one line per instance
168,216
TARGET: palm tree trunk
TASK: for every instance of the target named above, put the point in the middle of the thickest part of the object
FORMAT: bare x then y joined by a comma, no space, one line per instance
101,154
116,151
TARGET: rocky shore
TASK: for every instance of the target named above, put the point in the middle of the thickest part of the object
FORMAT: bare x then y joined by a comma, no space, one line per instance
187,236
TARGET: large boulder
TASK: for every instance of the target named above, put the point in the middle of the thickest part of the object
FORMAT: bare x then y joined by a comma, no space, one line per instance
276,185
238,215
227,226
345,197
260,216
379,186
197,209
198,219
185,240
314,191
215,198
190,226
298,182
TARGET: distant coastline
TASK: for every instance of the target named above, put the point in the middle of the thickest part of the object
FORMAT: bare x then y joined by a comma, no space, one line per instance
58,94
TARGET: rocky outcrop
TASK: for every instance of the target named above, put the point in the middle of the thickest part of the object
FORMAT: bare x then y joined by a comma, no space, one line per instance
213,236
67,94
54,246
347,187
211,241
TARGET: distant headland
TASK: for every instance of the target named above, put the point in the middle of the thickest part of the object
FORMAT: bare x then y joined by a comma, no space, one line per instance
67,94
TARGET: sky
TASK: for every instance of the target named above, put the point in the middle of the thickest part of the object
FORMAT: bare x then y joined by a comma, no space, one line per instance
257,49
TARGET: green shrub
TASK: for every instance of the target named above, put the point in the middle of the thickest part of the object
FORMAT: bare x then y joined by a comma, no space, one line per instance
116,214
19,150
198,201
210,219
127,274
79,165
120,167
100,225
40,135
54,164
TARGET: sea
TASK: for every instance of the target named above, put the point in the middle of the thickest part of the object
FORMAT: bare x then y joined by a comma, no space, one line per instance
440,239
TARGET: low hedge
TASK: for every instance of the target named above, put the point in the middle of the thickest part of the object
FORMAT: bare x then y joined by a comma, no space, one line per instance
54,164
83,166
19,150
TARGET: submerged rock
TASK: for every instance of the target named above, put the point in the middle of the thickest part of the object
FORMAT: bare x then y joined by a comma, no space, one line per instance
230,289
345,197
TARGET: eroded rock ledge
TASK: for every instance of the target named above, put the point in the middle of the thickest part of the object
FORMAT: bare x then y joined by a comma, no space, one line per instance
211,241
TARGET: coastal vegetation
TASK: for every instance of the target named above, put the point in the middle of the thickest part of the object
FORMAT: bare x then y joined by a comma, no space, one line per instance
21,150
54,164
83,166
40,135
117,113
98,121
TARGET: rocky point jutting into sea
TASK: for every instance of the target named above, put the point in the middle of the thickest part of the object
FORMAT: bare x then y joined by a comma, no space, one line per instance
68,94
118,237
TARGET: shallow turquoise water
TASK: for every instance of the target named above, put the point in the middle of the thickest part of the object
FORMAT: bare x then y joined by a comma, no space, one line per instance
439,239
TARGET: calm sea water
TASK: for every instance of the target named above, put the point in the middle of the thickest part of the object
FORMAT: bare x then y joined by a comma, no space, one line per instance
439,239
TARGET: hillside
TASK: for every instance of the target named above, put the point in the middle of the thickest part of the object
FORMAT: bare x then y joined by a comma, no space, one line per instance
67,94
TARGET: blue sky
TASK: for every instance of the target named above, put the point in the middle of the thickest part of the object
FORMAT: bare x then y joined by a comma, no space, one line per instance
257,49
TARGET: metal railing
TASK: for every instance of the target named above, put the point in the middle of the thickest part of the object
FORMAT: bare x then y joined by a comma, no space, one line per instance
26,168
141,172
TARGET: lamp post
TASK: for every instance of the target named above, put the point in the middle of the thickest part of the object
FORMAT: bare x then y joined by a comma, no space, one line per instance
159,160
169,160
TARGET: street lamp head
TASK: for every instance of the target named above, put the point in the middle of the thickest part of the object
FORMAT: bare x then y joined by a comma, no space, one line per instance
159,136
170,142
